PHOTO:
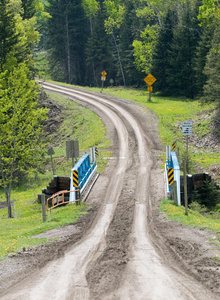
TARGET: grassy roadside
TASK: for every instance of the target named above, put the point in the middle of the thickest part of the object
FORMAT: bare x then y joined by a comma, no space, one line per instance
171,113
194,219
74,122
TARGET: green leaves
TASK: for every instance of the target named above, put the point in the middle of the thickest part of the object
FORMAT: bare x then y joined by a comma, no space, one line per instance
115,12
143,49
20,146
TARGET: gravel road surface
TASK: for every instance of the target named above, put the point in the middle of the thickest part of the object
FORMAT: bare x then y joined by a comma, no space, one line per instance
124,248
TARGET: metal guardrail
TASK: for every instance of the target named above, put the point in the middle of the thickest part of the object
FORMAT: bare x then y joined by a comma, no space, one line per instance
82,174
172,162
59,199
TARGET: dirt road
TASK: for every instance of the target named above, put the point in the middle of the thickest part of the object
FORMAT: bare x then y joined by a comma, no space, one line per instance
122,254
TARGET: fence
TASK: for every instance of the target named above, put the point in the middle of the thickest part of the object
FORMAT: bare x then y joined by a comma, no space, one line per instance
59,198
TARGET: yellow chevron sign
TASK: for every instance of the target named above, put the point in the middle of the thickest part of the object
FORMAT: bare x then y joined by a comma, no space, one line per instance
170,176
75,178
174,146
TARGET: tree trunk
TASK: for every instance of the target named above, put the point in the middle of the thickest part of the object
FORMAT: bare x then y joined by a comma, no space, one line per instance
68,50
119,58
7,190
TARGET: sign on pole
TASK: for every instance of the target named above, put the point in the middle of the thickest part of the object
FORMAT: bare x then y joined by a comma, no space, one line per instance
103,78
150,79
187,128
72,150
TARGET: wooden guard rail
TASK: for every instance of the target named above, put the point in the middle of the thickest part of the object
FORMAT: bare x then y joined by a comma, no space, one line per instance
59,198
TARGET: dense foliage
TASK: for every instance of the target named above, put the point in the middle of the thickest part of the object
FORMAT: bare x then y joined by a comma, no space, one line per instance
177,41
21,149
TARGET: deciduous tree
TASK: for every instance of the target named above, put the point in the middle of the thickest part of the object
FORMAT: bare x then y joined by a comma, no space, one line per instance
21,149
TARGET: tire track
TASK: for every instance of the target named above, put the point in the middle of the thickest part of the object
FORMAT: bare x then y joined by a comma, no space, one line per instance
90,270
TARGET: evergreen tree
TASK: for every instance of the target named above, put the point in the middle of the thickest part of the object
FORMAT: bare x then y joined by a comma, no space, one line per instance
99,51
161,63
29,8
128,32
67,33
202,50
209,195
8,36
212,71
181,74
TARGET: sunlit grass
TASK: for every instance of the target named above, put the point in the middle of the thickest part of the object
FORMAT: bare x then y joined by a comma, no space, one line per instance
194,219
17,233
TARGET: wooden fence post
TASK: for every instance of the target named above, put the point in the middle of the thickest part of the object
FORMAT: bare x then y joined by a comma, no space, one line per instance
44,214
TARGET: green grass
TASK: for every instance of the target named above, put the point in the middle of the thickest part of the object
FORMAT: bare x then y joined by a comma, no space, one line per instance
194,219
17,233
76,123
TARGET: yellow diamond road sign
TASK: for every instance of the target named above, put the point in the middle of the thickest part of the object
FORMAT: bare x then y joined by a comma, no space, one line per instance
104,73
150,79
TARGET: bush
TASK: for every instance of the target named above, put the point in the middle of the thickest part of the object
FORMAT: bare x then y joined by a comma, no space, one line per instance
209,195
195,206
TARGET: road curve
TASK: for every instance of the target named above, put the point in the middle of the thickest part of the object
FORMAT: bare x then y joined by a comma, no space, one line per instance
146,274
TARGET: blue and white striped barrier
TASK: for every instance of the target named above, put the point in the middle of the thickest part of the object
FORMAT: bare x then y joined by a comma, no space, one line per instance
86,171
172,162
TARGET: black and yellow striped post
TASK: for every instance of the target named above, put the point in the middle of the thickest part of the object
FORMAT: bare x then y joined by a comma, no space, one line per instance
174,146
76,185
170,176
96,152
75,178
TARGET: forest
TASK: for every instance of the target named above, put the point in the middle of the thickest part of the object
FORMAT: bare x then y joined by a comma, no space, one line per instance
176,41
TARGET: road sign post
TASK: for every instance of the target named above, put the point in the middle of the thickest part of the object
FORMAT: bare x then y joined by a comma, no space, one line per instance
72,150
186,131
150,79
103,78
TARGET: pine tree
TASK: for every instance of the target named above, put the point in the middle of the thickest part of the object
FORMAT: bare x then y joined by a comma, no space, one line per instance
211,89
8,36
67,33
99,52
128,32
161,63
29,8
181,74
202,50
